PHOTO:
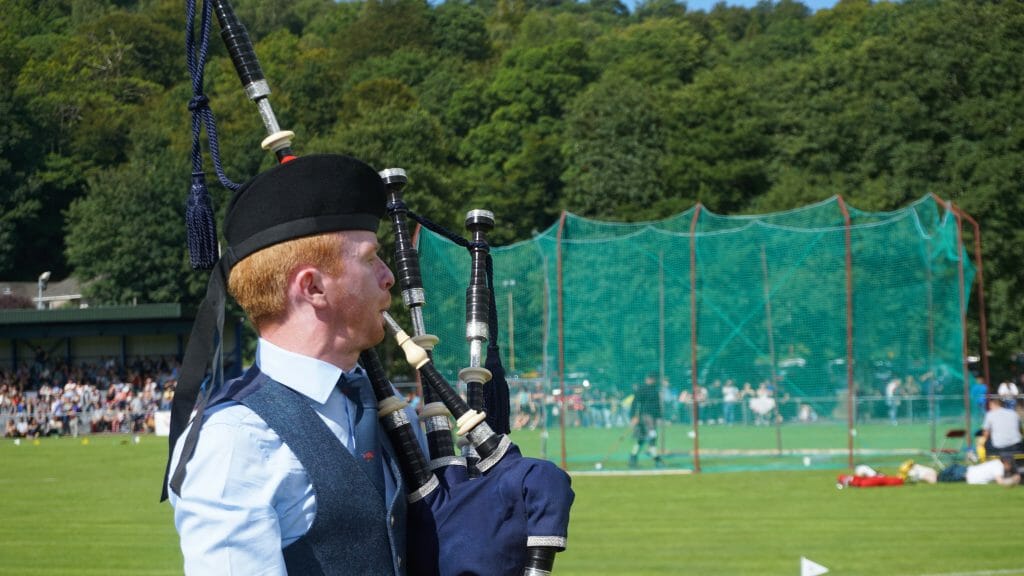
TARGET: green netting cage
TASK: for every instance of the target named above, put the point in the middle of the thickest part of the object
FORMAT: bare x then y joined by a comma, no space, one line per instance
814,337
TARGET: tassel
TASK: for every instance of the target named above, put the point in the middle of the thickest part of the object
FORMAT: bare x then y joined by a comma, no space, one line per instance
496,393
200,225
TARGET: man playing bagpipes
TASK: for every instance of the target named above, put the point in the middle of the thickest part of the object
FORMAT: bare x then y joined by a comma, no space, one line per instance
310,463
282,477
291,472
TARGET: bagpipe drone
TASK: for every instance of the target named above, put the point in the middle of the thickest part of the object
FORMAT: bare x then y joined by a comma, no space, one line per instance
489,511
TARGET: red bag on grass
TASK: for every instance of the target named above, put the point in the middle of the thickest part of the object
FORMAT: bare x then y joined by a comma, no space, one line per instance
845,480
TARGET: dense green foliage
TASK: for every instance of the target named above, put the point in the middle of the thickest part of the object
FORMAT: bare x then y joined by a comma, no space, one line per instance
524,107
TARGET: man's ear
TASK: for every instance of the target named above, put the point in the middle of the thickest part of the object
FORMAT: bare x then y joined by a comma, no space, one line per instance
309,286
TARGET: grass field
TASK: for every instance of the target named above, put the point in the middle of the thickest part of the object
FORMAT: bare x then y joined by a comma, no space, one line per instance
74,509
743,448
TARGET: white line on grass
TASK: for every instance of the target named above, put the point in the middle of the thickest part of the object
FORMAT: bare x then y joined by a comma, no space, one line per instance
662,472
981,573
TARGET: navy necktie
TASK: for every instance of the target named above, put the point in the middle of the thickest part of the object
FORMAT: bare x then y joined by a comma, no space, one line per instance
368,450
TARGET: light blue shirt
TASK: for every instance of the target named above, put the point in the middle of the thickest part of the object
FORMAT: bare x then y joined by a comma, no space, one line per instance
245,494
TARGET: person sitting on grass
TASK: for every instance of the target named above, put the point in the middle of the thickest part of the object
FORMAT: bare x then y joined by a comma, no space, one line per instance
34,429
1001,429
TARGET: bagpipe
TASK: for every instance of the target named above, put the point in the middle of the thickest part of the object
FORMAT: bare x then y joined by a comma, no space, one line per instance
489,511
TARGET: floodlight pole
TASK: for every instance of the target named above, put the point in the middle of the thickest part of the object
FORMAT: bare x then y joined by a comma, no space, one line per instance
44,279
511,325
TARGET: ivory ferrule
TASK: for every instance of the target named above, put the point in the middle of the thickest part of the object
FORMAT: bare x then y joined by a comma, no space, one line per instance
389,405
475,374
469,420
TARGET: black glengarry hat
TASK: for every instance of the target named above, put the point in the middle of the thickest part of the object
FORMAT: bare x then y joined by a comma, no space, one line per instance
306,196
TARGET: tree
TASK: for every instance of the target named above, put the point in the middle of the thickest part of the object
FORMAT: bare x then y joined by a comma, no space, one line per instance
524,107
384,126
29,30
126,239
614,146
654,52
513,160
384,26
460,31
659,9
719,150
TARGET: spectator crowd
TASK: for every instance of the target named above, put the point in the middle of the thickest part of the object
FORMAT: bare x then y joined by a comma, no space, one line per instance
51,397
724,401
54,398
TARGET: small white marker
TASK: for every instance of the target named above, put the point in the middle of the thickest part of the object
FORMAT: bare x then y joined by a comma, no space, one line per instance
811,568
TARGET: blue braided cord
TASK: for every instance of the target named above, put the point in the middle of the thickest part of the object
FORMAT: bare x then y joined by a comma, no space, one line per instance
438,229
200,223
202,115
211,130
196,70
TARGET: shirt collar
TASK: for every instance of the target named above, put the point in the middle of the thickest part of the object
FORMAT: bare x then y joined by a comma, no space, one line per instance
308,376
